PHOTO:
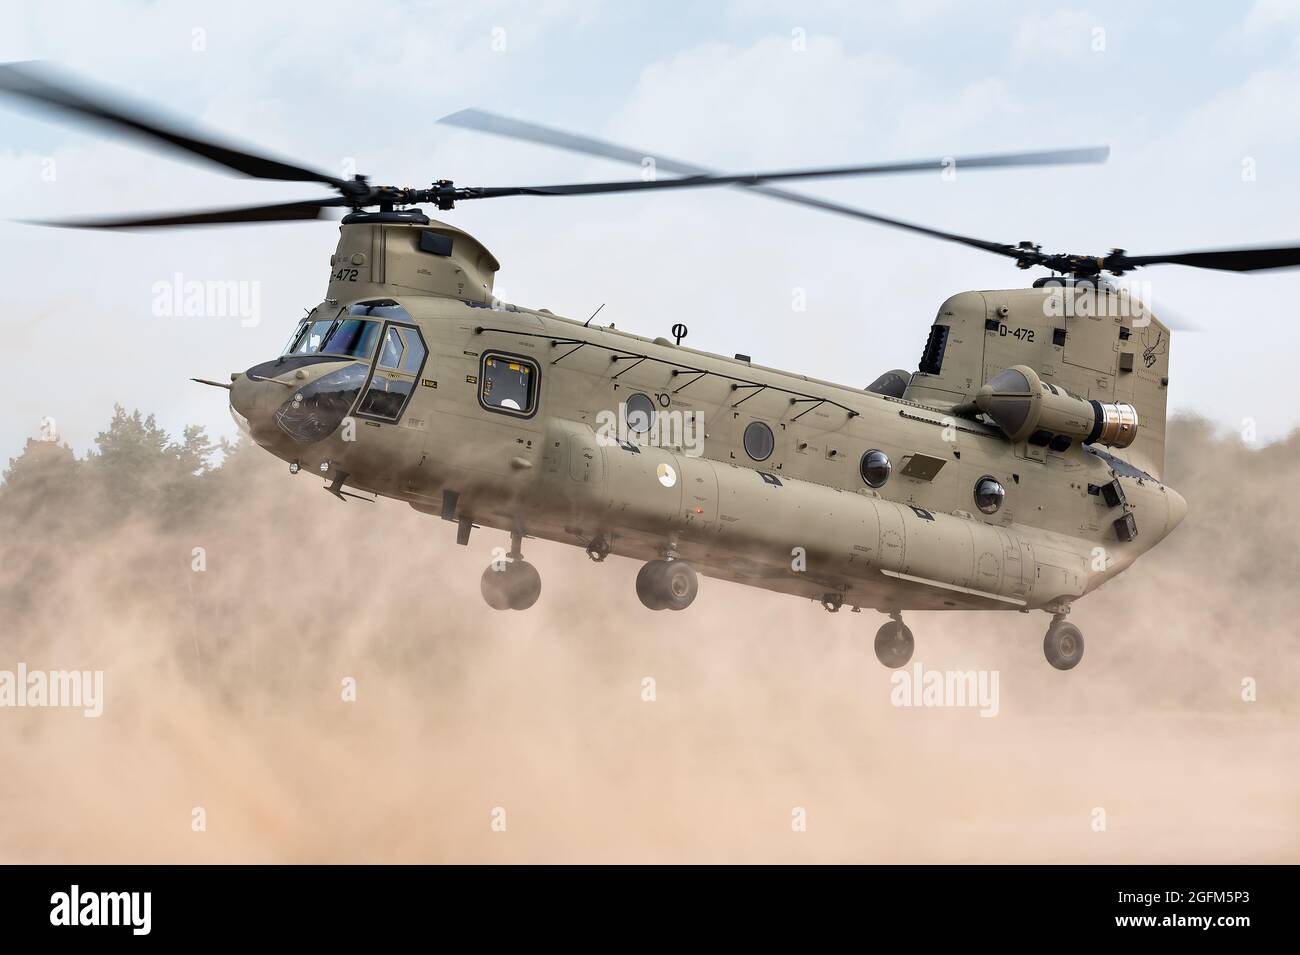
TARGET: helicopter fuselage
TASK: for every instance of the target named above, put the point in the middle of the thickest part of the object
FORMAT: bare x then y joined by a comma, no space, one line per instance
491,415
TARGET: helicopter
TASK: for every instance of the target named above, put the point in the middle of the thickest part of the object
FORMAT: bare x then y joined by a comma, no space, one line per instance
1018,468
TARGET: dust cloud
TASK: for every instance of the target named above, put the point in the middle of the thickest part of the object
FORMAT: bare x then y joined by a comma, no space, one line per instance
223,690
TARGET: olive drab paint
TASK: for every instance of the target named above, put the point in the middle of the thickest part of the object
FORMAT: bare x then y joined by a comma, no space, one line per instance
918,542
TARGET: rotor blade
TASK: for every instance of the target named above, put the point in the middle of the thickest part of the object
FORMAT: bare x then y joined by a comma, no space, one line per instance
1058,157
592,188
1227,260
498,125
44,86
998,248
484,121
283,212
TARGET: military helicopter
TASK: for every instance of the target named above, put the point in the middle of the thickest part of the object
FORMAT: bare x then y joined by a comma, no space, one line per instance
1018,468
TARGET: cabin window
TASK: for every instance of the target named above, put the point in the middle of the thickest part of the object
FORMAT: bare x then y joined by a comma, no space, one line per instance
508,384
759,442
875,468
639,412
989,493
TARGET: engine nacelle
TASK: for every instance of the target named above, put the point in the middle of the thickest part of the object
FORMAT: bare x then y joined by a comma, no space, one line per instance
1027,408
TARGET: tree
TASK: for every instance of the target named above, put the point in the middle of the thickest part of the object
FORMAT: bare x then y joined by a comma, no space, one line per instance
140,467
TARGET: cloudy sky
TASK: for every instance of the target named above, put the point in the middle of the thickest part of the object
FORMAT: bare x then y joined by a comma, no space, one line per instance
1199,106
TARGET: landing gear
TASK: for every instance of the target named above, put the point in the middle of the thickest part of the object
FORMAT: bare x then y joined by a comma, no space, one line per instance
512,584
598,549
667,585
894,643
515,586
1063,645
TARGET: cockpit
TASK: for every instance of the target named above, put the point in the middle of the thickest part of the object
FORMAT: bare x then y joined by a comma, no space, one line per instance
380,354
351,335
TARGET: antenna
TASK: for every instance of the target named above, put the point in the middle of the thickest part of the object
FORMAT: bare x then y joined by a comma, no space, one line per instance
593,315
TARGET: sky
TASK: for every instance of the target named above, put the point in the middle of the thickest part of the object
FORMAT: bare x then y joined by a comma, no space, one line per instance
1198,103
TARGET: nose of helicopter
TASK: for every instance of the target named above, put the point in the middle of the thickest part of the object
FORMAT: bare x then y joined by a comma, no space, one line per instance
252,403
1177,509
241,400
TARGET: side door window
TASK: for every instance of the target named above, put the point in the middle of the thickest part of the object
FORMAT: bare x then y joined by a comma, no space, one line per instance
400,358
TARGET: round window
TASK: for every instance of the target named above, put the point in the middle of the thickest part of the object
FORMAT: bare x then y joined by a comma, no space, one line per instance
989,493
759,443
640,412
875,468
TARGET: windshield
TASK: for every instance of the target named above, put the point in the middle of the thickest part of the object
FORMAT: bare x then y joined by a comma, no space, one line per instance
293,339
311,337
348,337
352,336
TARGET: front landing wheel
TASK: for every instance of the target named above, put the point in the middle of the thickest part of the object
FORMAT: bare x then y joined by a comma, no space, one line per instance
894,644
515,585
667,585
1063,645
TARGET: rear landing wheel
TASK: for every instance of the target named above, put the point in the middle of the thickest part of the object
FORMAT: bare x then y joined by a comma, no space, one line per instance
894,644
1063,645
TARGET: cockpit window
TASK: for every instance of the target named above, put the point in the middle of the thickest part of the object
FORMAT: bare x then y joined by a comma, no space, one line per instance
312,337
351,334
352,337
346,337
393,381
391,356
293,339
415,351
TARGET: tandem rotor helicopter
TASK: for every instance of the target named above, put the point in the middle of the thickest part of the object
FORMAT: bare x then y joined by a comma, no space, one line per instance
1018,468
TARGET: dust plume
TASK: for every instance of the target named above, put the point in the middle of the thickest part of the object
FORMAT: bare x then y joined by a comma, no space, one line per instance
228,605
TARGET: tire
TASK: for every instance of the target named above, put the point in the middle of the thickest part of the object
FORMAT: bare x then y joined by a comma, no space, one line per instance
647,586
678,584
524,584
1063,646
495,586
894,644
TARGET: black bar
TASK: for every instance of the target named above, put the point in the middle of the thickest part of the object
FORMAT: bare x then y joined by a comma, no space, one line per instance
914,906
